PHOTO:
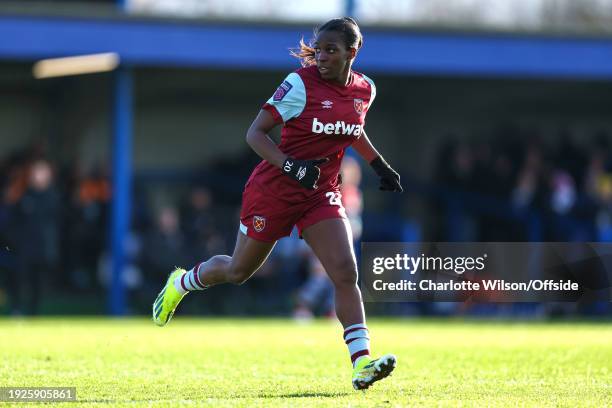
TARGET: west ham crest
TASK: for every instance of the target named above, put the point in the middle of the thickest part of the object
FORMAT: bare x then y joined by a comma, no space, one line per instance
259,223
358,104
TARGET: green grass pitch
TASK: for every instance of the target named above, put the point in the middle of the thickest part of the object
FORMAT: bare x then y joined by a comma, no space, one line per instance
268,363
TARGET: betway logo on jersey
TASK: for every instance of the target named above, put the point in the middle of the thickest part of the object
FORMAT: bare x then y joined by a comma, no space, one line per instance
338,128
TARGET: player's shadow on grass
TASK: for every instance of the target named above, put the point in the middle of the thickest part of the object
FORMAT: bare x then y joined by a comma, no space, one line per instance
280,395
289,395
306,395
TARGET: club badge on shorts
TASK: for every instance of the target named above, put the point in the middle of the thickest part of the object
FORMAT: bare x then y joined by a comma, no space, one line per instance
259,223
358,105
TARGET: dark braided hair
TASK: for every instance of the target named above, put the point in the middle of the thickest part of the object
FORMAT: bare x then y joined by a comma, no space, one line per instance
345,25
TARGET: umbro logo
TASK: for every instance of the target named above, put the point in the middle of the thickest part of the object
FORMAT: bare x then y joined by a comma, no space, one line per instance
327,104
301,173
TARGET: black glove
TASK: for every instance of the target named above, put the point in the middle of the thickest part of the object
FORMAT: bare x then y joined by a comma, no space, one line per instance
389,179
305,172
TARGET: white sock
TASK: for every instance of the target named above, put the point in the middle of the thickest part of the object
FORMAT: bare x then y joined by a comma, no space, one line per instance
189,281
358,342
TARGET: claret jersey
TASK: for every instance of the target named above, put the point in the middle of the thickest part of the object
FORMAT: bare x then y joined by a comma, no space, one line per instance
321,119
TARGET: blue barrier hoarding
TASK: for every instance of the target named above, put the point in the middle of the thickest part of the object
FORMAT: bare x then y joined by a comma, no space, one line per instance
142,42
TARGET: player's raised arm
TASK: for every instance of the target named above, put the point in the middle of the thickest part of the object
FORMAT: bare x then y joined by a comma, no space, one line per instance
305,172
257,137
389,179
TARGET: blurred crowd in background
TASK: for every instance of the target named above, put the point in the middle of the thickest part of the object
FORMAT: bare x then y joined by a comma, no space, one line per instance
515,185
54,224
556,188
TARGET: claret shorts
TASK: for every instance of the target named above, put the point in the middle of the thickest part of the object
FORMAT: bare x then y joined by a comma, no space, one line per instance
265,217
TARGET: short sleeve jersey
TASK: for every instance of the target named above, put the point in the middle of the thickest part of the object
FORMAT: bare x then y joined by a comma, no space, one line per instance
321,119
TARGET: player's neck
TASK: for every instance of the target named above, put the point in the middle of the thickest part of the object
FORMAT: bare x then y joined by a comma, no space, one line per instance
344,79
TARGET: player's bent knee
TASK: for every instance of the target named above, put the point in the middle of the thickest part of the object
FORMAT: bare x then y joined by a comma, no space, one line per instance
238,276
346,280
238,279
220,261
344,273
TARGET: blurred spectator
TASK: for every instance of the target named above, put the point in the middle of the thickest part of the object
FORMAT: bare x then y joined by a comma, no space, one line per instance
455,165
316,295
563,192
529,179
165,246
36,238
198,221
352,198
87,226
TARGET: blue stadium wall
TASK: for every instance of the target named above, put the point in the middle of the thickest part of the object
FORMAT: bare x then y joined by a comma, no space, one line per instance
150,42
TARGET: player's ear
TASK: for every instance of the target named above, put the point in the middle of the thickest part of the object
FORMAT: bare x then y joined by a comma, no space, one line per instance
352,53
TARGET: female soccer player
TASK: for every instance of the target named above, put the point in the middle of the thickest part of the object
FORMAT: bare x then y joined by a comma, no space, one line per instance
322,107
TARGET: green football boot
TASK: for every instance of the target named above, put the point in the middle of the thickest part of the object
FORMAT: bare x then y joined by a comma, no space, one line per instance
167,300
368,371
